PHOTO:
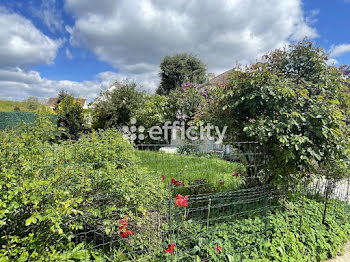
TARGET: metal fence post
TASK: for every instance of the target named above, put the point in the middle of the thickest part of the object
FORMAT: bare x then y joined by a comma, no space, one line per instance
325,202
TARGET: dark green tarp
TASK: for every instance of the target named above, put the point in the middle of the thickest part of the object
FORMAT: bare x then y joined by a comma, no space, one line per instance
12,119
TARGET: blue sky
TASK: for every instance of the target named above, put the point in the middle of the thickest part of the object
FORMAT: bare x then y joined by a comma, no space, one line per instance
83,46
332,24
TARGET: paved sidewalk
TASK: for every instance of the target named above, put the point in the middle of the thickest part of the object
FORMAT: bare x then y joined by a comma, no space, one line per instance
345,257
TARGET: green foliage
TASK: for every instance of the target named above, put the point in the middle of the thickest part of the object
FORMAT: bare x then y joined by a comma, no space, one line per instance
245,240
153,112
31,103
61,96
10,106
50,192
186,101
295,104
178,69
117,106
70,117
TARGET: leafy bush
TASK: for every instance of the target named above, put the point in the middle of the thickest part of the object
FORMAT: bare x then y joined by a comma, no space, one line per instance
153,112
49,193
31,103
295,104
186,101
117,106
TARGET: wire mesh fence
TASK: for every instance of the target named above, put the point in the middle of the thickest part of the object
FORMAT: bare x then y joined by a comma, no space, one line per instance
119,202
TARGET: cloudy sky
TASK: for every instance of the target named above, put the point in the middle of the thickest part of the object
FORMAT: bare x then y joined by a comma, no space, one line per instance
82,46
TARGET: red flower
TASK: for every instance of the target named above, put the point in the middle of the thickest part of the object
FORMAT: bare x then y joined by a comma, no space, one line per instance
214,151
170,249
212,190
177,183
236,174
221,182
218,248
125,233
124,220
163,178
124,228
181,201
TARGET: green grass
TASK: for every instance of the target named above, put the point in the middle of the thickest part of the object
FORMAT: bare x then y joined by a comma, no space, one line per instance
9,106
200,174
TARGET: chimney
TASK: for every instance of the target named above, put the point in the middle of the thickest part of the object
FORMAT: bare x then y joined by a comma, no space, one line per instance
211,76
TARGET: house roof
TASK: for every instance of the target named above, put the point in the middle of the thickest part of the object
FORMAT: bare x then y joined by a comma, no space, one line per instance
219,80
82,101
52,101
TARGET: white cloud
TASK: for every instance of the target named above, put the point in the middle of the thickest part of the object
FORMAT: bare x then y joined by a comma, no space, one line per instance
50,15
134,35
332,61
338,50
22,44
68,54
30,83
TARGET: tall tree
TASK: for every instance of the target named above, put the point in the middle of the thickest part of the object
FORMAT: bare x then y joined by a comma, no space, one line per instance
61,96
178,69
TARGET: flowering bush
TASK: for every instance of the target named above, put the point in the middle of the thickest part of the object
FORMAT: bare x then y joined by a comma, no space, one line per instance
185,101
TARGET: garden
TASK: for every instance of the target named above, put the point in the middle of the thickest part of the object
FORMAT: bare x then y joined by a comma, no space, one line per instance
277,188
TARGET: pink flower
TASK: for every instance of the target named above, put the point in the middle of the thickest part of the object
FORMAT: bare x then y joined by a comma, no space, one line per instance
163,178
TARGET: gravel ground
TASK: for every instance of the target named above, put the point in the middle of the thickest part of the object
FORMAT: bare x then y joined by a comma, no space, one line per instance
344,257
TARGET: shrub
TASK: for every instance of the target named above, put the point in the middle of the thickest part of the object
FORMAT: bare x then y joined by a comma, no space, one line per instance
186,101
117,106
51,192
295,104
70,117
31,103
153,112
